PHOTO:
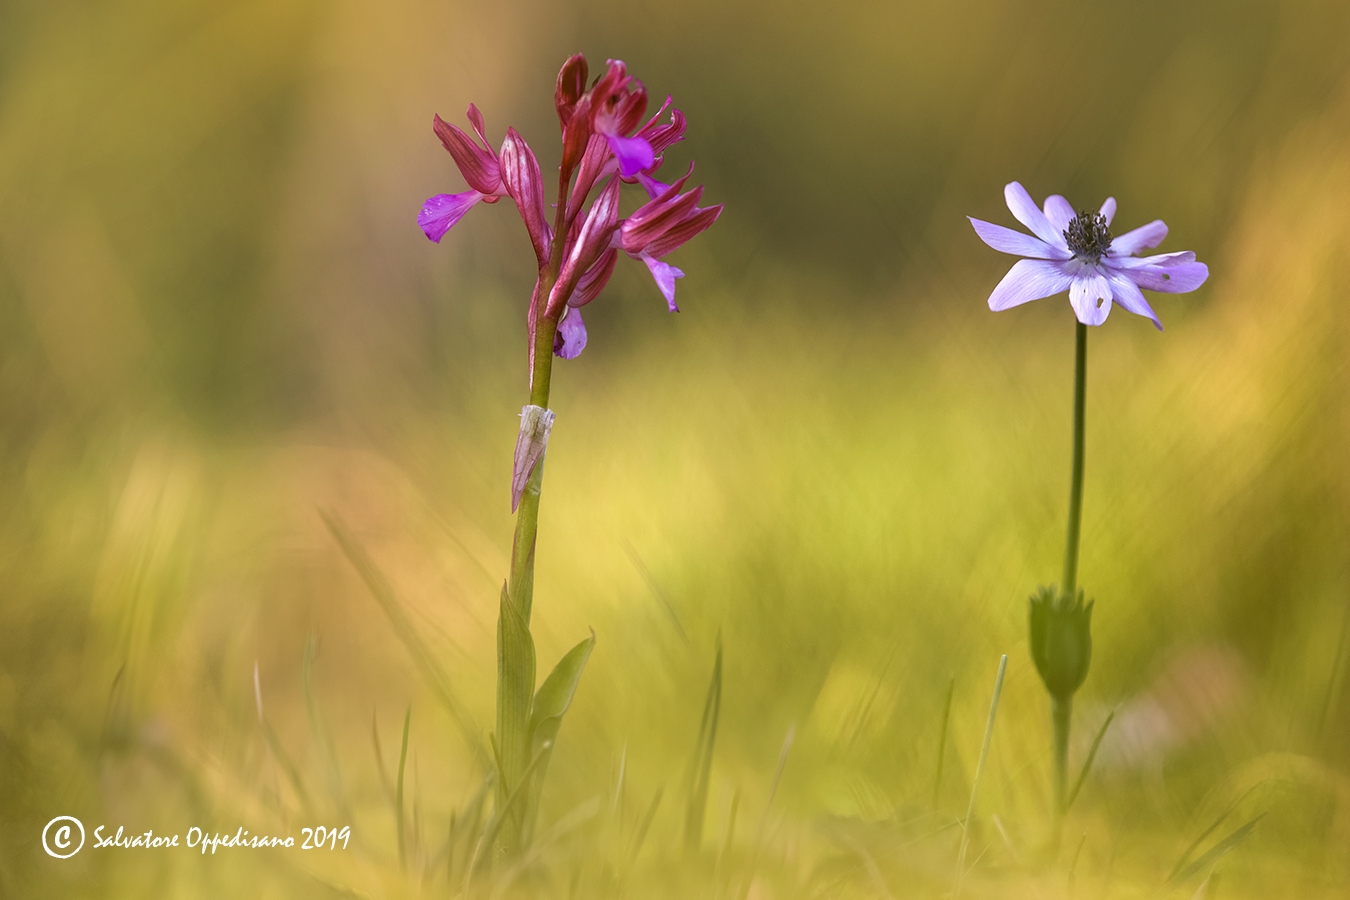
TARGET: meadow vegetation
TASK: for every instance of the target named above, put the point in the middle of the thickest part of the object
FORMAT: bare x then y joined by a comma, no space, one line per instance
256,432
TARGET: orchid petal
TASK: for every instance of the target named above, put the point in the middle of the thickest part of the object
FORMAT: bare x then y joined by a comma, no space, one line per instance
520,173
1128,295
1025,210
653,187
591,241
1142,238
664,196
570,339
478,166
576,134
656,217
1090,286
634,154
531,326
476,120
1005,240
662,136
618,101
651,126
1027,280
681,233
604,90
665,275
440,213
666,135
1059,211
594,280
631,108
596,163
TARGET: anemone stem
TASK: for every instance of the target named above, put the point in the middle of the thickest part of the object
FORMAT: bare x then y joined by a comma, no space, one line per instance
1069,583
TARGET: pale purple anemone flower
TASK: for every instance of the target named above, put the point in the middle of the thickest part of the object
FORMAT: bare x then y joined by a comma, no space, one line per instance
1076,252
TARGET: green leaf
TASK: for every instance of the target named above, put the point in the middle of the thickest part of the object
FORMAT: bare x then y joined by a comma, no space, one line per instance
515,688
554,696
551,702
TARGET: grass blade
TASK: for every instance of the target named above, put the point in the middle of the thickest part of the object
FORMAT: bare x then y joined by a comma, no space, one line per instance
942,740
1218,851
768,805
1087,766
421,654
320,731
645,824
379,757
1208,831
979,770
701,773
656,590
278,751
398,792
729,838
494,826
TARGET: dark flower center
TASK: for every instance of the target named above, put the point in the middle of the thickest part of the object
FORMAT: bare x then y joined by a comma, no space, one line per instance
1087,236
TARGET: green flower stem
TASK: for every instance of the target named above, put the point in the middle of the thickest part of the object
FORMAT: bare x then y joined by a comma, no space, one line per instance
515,650
521,588
1061,711
1069,583
1061,708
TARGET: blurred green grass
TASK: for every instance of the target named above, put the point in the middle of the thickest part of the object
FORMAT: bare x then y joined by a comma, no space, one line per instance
220,320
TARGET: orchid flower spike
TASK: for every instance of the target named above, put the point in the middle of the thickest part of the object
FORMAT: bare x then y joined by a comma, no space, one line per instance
1076,252
605,144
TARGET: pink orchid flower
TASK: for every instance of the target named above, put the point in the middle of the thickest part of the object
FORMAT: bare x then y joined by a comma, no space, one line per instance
602,145
662,225
480,168
617,103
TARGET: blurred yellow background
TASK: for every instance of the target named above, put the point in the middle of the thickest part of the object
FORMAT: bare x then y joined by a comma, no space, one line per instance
219,320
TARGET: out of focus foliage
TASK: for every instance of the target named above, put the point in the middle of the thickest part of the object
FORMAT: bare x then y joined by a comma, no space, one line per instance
218,321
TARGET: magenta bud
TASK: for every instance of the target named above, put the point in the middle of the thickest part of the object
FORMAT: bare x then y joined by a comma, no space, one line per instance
520,174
